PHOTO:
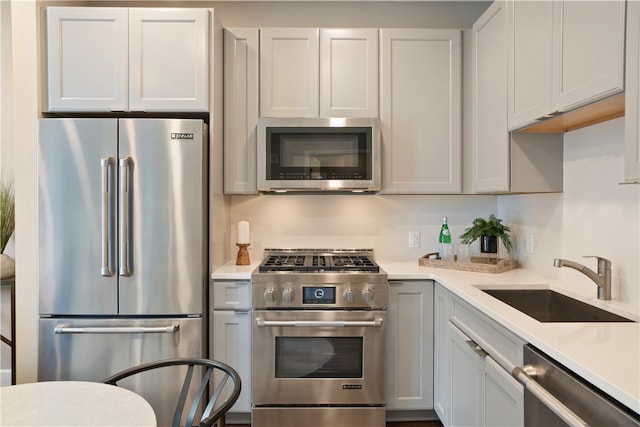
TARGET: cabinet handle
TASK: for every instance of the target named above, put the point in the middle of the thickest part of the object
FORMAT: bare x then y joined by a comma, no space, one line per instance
475,347
524,375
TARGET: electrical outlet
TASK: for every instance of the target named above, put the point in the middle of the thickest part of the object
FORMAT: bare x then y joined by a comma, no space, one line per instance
530,243
414,239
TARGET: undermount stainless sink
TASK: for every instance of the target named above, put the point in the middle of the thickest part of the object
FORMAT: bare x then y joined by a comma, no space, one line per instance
546,305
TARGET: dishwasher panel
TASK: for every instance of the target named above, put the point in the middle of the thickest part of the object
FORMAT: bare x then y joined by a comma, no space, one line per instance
554,396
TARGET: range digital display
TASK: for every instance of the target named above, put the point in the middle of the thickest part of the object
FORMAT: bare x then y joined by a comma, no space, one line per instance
319,295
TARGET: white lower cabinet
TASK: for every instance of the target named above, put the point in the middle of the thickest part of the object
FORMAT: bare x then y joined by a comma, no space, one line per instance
441,354
231,333
473,359
409,334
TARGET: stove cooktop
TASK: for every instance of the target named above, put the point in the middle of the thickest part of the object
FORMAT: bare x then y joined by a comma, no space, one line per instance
318,261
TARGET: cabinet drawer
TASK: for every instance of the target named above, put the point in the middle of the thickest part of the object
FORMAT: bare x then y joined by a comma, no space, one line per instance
231,295
505,347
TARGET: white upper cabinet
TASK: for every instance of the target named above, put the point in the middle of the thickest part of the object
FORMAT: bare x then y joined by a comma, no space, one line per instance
289,71
87,59
490,139
529,60
563,55
348,73
119,59
632,96
420,110
168,58
588,51
310,72
241,110
502,161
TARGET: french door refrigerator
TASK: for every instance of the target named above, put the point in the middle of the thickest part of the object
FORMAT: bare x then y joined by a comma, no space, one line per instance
122,240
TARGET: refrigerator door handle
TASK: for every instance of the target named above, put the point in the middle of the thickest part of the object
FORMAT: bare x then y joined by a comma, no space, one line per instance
107,264
170,329
125,235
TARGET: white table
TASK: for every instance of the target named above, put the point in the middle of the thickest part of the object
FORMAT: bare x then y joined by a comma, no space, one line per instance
73,403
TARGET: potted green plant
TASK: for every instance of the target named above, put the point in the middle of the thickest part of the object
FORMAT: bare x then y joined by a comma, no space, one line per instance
488,231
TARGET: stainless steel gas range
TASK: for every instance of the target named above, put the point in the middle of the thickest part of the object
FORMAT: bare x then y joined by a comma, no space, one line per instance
318,339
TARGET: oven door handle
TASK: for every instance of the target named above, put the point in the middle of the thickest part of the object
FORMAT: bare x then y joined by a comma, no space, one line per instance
320,323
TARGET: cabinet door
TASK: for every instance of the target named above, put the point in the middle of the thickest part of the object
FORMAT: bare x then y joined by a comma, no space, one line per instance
231,344
348,73
503,402
530,56
240,109
168,53
588,51
464,392
409,334
632,96
441,354
420,110
289,72
87,59
490,139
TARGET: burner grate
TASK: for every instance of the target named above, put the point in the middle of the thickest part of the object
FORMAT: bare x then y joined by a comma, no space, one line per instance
318,263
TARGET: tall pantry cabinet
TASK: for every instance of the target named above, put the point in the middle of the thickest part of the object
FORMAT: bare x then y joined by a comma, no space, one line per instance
106,59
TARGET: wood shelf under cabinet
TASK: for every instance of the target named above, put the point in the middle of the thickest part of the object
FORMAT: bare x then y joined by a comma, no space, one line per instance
601,111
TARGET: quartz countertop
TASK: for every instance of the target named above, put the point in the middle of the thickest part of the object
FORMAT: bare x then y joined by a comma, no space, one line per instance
605,354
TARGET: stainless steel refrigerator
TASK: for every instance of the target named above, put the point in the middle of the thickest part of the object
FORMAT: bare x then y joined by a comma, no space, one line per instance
122,240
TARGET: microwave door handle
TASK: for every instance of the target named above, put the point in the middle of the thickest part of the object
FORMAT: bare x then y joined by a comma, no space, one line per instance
106,268
125,233
524,375
319,324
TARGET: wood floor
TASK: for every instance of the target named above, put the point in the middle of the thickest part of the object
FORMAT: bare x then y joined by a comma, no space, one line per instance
435,423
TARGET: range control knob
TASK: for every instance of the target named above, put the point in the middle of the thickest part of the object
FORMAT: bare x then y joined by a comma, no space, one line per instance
288,295
347,295
270,295
367,295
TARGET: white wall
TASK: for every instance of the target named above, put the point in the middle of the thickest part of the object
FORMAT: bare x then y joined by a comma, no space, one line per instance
355,221
22,114
595,215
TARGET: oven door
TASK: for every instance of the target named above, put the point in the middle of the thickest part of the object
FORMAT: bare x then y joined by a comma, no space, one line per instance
309,357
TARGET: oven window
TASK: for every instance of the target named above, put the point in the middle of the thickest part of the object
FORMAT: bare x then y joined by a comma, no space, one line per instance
319,357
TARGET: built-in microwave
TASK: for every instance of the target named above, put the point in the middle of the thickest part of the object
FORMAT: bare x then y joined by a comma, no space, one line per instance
318,154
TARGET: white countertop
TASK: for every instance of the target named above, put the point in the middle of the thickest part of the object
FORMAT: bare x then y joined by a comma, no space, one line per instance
605,354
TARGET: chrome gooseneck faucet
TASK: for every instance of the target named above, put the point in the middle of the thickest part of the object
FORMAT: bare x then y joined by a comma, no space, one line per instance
602,278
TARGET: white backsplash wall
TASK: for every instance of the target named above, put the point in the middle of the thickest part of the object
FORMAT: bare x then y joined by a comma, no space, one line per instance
354,221
593,216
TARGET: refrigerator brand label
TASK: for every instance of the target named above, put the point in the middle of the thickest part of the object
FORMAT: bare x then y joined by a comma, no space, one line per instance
181,136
